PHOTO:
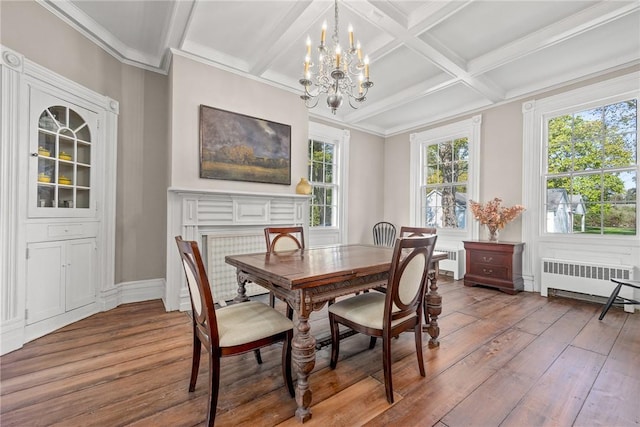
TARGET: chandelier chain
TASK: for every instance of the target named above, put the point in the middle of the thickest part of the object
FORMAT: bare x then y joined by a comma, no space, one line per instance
336,40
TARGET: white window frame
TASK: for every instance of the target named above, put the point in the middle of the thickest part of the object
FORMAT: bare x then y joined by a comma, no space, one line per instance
598,248
469,129
337,234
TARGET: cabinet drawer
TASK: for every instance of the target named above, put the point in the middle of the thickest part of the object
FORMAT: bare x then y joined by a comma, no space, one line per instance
490,258
43,232
490,270
65,230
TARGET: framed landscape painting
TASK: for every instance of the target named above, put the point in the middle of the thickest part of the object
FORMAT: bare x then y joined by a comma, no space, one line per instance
243,148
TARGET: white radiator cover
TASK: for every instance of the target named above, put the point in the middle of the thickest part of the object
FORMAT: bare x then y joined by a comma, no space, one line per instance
222,276
454,262
585,278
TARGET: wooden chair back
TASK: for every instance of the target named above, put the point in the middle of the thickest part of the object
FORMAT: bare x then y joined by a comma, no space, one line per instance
384,234
417,231
204,315
284,238
408,278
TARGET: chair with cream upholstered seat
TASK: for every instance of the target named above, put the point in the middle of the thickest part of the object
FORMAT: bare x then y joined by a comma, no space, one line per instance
398,310
230,330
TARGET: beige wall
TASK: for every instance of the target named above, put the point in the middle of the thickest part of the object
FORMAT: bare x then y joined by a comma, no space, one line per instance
41,37
194,83
500,158
366,185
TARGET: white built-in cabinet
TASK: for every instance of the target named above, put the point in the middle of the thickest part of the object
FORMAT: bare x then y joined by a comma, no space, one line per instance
62,237
57,191
61,277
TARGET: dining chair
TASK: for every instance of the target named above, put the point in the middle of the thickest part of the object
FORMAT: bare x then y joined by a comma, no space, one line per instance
231,330
398,310
384,234
280,239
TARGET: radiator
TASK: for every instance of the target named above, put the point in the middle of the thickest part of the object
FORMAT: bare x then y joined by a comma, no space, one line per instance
584,278
454,262
222,276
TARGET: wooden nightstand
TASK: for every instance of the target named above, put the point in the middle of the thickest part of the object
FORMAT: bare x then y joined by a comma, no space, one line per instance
495,264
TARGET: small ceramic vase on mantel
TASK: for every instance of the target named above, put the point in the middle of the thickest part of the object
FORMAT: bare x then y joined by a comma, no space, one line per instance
303,187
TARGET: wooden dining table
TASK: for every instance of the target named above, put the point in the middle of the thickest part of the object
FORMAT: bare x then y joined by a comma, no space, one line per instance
308,278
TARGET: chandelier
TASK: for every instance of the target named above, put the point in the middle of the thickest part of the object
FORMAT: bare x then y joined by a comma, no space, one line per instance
339,74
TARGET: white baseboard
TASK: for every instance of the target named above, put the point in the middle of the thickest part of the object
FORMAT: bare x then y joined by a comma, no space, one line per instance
43,327
12,336
141,290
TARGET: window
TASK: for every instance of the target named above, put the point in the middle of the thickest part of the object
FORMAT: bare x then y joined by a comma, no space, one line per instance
591,170
322,164
444,161
328,156
444,185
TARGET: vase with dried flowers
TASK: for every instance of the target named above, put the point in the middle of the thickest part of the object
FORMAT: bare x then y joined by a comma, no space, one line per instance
494,216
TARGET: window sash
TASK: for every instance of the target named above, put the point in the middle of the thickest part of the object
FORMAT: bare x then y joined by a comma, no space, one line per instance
585,165
323,206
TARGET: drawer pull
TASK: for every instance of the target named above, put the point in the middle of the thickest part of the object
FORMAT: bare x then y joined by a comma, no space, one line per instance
487,271
487,259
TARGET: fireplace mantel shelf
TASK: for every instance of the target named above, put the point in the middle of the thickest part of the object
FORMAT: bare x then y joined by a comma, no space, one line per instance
200,191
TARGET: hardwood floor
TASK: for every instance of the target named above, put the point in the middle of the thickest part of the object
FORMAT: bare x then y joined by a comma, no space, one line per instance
520,360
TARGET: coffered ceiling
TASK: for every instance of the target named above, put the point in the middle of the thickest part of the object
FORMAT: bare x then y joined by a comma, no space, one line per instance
429,59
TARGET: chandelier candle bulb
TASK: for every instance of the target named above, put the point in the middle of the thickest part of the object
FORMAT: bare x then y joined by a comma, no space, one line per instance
350,37
359,49
338,54
366,67
308,47
323,34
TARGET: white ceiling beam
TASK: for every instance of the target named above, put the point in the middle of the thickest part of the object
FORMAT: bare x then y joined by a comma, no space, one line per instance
294,25
176,29
574,25
405,96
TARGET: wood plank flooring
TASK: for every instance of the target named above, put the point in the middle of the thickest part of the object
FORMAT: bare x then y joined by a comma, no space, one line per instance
520,360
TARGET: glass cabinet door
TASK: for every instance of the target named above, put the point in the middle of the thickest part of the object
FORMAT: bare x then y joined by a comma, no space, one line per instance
63,144
64,159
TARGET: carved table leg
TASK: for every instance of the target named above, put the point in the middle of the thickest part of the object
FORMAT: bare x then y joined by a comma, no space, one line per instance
304,359
242,291
434,308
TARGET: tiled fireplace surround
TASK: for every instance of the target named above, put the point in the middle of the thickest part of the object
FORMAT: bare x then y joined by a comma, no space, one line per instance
223,223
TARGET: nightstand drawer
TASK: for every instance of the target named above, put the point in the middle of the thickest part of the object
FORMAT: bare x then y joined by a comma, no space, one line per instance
491,258
488,270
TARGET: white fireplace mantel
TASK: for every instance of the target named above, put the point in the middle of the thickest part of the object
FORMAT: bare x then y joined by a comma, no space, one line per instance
195,214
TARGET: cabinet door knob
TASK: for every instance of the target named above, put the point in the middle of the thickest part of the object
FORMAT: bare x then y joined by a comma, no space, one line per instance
34,154
487,271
